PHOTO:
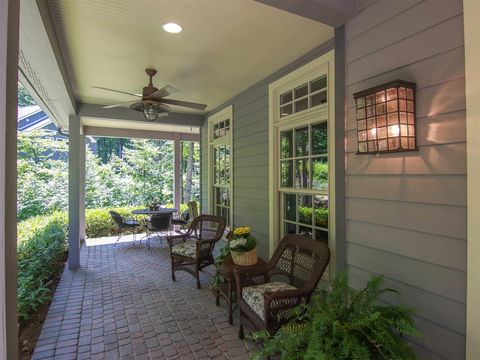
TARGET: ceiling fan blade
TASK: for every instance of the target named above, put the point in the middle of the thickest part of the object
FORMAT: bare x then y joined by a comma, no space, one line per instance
184,104
117,91
164,91
117,105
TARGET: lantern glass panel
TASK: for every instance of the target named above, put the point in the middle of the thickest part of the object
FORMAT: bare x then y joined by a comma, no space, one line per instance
392,118
411,143
381,109
403,130
404,143
403,118
380,96
410,106
370,111
372,146
392,106
402,93
362,135
393,131
372,134
393,143
391,94
360,113
361,102
411,130
382,132
362,147
370,100
409,94
370,123
362,124
382,145
411,118
402,105
381,121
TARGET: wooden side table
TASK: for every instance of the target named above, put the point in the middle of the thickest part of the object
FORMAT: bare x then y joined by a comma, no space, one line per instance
227,286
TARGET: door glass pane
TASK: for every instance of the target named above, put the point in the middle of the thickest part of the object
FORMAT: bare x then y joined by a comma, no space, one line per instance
321,235
227,164
320,173
305,230
286,110
302,173
286,173
301,105
305,209
318,99
321,211
301,141
291,207
319,139
286,97
286,144
301,91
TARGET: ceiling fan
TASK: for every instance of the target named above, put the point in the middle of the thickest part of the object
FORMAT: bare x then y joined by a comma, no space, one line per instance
153,103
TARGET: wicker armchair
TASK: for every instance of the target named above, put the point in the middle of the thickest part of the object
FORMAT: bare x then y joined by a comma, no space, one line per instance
192,251
261,299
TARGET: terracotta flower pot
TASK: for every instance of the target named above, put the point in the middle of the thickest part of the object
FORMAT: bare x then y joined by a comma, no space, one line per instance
244,258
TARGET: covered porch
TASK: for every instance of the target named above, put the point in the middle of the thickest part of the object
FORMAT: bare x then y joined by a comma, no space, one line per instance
280,152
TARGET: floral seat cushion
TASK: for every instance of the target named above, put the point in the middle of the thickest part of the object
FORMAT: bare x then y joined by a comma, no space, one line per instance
253,295
187,248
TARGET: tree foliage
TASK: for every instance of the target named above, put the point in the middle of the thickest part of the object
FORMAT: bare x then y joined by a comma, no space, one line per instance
24,98
141,175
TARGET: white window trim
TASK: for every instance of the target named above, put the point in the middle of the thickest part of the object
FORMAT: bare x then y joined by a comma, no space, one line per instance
322,65
212,120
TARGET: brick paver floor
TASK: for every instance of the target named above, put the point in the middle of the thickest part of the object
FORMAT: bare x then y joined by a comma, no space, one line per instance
122,304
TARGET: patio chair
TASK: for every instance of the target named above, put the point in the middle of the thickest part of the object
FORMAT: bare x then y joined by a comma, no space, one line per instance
187,216
262,297
157,224
192,251
122,225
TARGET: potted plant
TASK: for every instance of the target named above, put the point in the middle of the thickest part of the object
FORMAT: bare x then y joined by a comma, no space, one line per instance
343,324
243,247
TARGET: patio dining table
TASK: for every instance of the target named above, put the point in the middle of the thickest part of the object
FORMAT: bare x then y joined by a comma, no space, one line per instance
154,212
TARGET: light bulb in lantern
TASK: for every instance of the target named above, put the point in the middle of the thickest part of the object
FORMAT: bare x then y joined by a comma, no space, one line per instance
393,131
373,133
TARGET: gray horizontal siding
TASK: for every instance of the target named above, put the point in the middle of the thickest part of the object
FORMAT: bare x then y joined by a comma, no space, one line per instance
406,212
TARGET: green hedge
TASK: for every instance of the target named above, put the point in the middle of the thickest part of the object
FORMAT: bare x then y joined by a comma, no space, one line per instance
42,243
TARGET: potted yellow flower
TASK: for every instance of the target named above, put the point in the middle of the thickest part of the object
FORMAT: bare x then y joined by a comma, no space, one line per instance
243,247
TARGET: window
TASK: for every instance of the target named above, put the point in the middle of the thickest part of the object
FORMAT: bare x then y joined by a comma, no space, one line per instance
301,160
220,160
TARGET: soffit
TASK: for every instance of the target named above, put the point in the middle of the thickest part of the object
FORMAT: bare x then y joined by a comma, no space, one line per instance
225,47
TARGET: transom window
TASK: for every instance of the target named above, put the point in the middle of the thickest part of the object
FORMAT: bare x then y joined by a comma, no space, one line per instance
221,129
303,97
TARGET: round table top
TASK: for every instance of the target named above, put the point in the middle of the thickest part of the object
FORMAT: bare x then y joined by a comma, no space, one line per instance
154,212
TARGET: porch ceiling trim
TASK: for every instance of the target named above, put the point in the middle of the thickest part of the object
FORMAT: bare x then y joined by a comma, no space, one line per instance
41,65
139,134
331,12
121,113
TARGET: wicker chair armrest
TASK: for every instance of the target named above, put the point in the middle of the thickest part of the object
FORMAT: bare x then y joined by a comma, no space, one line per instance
278,303
284,294
251,275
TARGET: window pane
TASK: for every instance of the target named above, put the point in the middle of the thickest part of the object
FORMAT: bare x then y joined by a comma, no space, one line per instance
301,91
320,173
319,139
291,207
301,141
290,228
215,165
321,235
318,84
286,171
318,99
302,173
305,209
286,110
306,231
301,105
286,97
286,144
321,211
227,164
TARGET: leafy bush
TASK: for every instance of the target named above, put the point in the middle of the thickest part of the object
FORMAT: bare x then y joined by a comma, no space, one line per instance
344,324
42,243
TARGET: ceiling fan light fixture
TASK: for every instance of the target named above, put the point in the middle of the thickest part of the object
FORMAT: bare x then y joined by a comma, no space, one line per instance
150,111
172,28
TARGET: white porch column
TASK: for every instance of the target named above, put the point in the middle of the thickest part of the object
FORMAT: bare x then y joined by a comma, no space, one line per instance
9,32
75,169
177,174
81,167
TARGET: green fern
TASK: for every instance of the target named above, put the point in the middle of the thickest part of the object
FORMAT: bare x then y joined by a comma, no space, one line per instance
344,324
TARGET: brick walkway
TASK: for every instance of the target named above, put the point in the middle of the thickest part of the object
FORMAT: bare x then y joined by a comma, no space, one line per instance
122,304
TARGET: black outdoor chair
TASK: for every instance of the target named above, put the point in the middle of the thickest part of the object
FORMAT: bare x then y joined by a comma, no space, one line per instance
187,216
123,225
157,224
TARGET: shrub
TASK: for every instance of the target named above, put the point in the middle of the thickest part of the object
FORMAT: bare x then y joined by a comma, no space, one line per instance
42,243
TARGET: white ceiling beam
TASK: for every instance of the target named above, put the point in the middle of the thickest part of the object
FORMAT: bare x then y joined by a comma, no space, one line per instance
121,113
330,12
138,134
41,65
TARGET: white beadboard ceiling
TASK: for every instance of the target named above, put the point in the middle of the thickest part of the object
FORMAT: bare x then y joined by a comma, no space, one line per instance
225,47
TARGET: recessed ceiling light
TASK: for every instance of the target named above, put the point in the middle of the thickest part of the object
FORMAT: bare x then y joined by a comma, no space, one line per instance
172,28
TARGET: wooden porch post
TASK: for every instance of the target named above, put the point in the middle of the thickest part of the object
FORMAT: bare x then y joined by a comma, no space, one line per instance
177,182
9,39
75,148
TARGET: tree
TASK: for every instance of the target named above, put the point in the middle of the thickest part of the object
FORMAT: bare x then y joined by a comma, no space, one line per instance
24,98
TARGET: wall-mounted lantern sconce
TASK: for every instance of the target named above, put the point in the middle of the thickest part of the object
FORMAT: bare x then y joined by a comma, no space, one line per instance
386,118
